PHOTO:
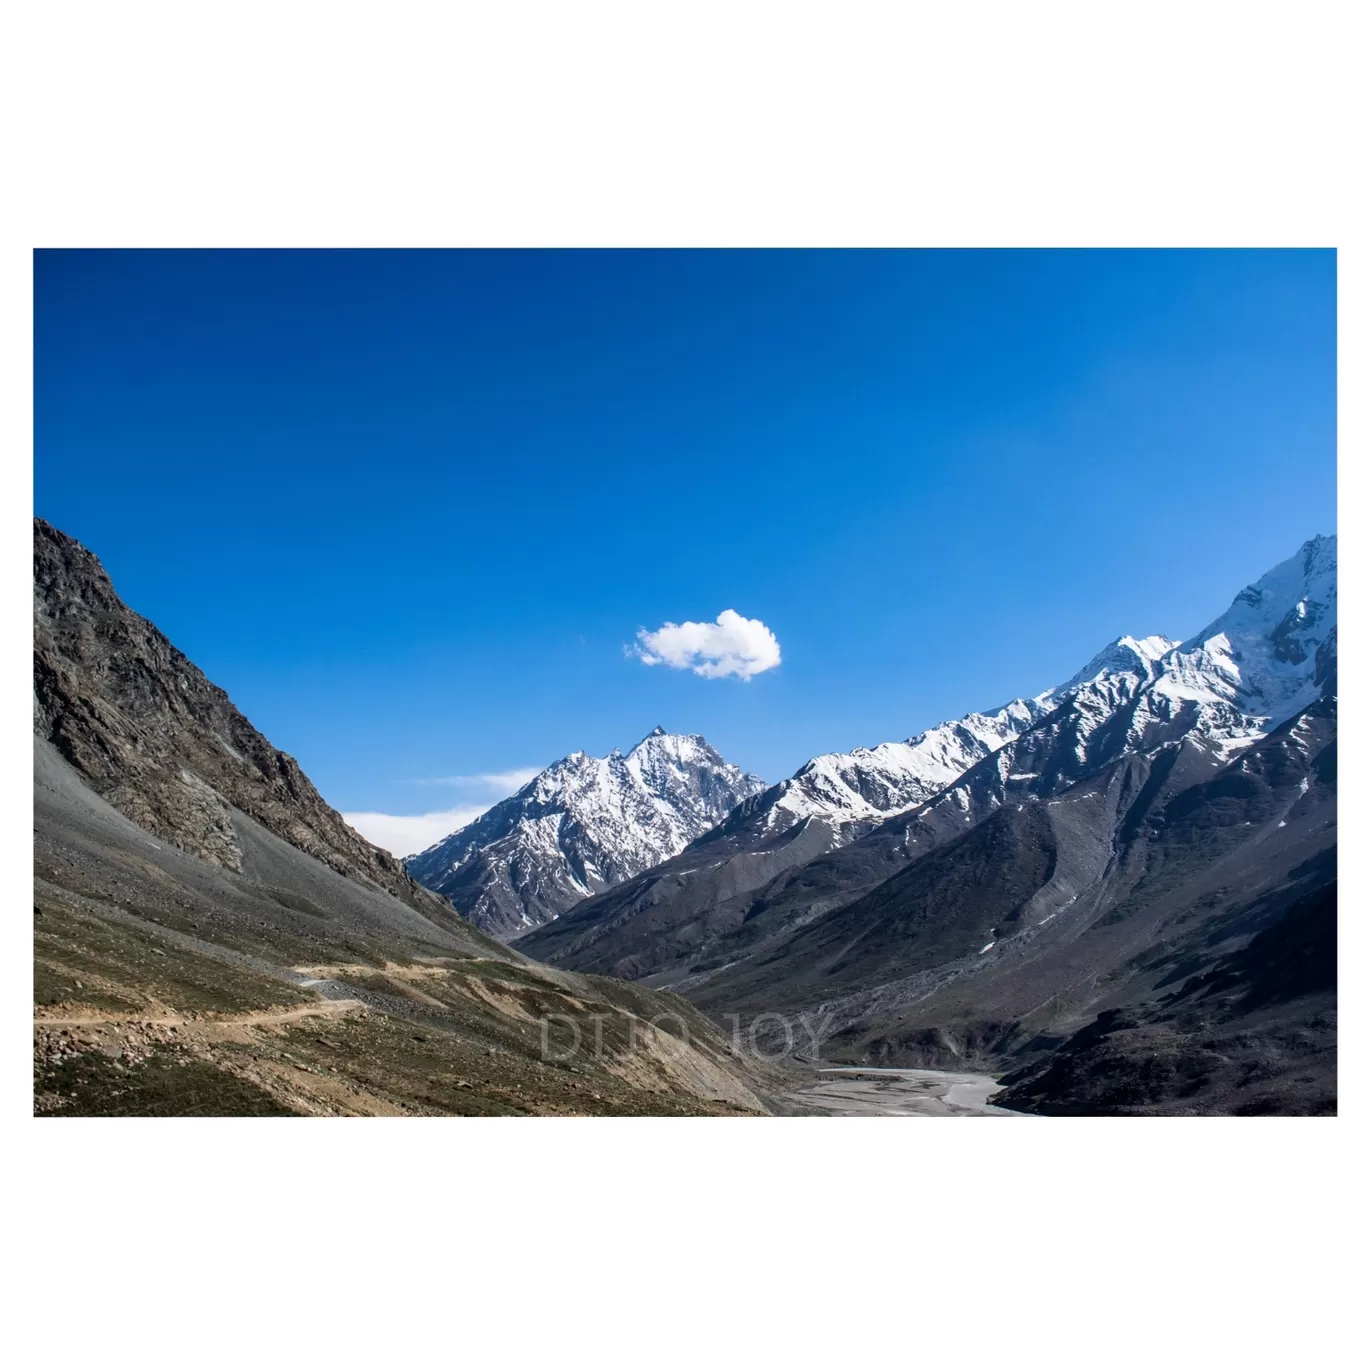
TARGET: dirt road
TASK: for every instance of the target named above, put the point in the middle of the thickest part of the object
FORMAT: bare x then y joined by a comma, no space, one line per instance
326,1008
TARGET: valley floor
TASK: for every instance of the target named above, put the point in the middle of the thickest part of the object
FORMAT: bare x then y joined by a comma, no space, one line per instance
894,1092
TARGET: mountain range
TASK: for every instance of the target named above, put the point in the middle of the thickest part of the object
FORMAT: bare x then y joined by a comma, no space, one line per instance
582,825
947,901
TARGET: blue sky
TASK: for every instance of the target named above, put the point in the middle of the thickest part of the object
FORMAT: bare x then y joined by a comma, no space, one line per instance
410,509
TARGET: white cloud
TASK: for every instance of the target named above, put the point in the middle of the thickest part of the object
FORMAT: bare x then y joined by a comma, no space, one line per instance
733,645
408,835
509,781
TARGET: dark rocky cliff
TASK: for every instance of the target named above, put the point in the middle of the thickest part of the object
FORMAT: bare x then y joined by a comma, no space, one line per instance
159,742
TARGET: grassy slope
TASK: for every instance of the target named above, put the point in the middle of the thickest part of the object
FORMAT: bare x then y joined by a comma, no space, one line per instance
130,1022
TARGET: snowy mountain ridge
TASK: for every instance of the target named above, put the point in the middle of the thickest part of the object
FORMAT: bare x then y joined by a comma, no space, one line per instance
869,784
1263,660
1269,656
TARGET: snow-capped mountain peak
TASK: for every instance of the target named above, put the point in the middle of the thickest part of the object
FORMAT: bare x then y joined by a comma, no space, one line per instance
580,826
1265,658
1127,654
1266,654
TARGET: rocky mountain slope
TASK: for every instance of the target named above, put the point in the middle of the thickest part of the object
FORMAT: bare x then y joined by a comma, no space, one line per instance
152,736
990,919
211,938
584,824
1035,918
1253,1035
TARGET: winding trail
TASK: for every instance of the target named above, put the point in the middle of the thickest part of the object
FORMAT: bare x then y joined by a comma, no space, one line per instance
267,1017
